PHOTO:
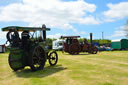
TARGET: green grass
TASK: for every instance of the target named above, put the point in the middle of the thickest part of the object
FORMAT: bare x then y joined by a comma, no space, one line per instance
105,68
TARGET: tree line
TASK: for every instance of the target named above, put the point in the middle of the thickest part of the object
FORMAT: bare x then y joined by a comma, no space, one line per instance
100,41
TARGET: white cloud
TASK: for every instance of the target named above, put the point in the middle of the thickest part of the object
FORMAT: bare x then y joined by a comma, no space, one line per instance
56,36
116,11
108,19
120,28
126,27
2,37
83,33
119,33
89,20
53,13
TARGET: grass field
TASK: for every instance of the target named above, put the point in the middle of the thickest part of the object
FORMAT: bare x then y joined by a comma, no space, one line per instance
105,68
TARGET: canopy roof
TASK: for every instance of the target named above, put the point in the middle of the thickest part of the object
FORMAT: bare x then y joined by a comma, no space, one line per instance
18,28
70,36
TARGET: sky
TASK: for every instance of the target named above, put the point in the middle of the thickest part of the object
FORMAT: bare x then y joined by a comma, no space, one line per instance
67,17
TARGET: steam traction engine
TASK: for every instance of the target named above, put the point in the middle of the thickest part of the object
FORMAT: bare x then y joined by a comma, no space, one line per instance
72,45
30,49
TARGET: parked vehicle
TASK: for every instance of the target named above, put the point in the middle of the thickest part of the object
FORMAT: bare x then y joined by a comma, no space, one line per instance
72,46
58,44
120,44
29,49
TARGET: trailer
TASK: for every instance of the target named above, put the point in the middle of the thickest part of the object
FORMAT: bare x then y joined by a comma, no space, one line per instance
120,44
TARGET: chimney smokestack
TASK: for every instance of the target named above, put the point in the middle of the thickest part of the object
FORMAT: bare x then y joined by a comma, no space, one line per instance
91,38
44,32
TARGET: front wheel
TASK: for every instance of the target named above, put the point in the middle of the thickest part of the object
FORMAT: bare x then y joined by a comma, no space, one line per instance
53,58
95,50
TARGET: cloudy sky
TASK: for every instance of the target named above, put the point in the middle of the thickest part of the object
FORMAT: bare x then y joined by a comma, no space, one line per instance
67,17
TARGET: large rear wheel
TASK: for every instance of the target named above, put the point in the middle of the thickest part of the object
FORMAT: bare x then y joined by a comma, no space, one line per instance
37,58
74,48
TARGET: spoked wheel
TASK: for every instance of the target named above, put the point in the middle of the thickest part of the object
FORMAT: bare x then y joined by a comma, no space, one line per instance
95,50
74,48
53,58
37,59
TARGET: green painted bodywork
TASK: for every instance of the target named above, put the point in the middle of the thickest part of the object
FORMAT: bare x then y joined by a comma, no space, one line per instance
116,45
44,46
21,57
17,55
122,44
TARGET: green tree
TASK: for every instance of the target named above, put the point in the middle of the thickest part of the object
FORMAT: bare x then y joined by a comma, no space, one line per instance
100,41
